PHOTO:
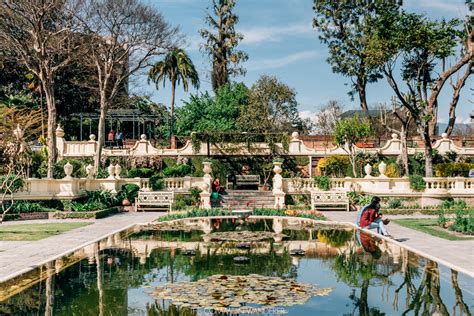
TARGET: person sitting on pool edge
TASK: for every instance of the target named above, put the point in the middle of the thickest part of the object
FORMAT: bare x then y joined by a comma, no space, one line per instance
370,217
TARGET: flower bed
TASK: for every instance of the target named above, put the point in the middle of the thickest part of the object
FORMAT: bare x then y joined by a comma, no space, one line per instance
311,214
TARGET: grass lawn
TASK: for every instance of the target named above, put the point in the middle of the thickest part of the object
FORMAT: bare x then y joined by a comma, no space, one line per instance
428,226
28,232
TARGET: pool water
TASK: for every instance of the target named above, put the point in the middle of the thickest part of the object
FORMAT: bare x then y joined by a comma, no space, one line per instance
118,276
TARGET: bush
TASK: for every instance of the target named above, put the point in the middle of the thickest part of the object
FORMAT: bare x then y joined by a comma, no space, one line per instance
177,171
78,171
182,202
417,182
334,166
26,207
323,182
357,198
395,203
103,196
140,172
129,192
156,183
17,183
453,169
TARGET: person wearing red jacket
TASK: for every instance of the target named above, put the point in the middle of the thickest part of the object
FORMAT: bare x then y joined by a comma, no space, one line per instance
371,218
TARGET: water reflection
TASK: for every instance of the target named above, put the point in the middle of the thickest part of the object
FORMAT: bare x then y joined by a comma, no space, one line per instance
114,276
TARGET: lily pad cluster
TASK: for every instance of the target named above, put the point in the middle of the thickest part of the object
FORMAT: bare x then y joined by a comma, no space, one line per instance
233,294
247,236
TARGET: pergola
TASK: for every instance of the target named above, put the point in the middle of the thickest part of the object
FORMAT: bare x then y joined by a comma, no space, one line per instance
138,118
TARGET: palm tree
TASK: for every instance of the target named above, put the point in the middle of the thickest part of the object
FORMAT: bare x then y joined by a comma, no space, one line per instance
176,67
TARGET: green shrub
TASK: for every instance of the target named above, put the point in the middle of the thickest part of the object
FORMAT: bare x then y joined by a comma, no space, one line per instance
182,202
395,203
177,171
88,206
78,171
26,207
16,183
129,192
196,195
102,196
156,183
140,172
323,182
417,182
358,198
453,169
441,218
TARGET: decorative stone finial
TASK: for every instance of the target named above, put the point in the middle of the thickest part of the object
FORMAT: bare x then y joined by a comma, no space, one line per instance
59,131
68,168
295,135
444,136
367,170
118,170
394,136
143,137
90,171
111,171
382,169
92,137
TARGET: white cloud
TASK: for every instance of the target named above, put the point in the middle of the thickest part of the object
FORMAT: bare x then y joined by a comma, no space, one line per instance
257,35
270,63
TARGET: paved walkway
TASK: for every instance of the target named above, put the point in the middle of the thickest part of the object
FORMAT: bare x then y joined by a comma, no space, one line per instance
456,254
18,257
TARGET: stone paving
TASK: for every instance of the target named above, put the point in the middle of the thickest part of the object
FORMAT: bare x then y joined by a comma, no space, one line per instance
18,257
456,254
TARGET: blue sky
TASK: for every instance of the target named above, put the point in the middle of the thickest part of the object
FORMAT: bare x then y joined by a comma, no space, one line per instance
280,41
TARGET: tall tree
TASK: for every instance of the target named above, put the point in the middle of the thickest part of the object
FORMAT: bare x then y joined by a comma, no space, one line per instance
176,67
221,42
124,36
272,107
41,36
420,47
343,26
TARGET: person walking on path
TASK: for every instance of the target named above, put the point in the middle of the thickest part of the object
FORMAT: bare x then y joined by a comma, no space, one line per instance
369,217
119,139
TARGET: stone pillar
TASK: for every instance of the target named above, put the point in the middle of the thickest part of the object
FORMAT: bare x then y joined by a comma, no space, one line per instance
278,185
60,143
206,186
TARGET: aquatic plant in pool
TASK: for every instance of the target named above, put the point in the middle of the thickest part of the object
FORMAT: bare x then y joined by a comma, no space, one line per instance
185,272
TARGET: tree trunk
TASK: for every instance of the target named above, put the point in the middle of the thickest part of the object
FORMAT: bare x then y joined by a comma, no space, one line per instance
361,85
403,140
428,151
101,132
50,103
173,89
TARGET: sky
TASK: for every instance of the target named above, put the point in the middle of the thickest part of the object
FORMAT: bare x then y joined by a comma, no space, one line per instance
280,41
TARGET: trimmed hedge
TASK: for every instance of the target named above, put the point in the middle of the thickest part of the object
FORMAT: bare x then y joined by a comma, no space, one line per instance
86,215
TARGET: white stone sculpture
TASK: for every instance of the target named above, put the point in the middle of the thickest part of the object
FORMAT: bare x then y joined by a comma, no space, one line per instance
90,171
68,168
111,171
382,169
368,170
118,170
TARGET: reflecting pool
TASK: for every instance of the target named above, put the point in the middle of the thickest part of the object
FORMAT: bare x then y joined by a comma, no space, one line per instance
191,267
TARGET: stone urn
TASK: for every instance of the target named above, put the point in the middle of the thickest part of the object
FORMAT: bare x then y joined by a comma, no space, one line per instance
89,171
207,169
68,168
118,170
111,171
382,169
367,170
126,202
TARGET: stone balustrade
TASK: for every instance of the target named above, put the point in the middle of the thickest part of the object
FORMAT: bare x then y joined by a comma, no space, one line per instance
442,187
144,148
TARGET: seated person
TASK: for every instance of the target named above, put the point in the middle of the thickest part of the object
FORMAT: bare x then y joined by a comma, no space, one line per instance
369,217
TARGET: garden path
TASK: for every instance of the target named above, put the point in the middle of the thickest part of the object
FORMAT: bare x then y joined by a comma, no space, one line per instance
18,257
456,254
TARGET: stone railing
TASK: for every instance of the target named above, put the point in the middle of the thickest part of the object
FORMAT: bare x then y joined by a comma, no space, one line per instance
143,148
445,187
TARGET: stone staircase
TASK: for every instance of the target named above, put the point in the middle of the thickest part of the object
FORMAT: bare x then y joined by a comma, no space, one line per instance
247,199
